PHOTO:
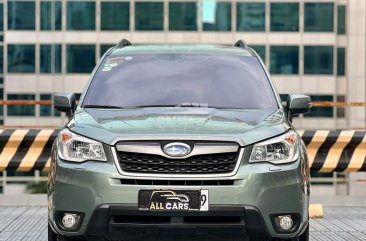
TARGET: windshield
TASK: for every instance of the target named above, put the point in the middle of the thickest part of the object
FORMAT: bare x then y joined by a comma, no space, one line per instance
170,79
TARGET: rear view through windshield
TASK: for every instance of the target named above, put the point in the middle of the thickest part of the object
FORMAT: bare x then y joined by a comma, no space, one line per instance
226,81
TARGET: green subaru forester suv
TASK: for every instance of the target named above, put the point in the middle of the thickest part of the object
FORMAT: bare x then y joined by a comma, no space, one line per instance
179,142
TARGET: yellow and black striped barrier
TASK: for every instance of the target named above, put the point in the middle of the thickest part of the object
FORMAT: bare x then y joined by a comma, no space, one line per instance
339,151
328,151
26,149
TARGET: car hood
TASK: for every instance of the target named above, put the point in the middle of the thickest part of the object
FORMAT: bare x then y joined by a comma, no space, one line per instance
178,123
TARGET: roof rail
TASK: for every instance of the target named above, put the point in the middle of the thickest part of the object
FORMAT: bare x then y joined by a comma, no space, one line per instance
241,44
123,43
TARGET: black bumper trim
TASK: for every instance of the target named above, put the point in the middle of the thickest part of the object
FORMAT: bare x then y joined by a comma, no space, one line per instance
105,221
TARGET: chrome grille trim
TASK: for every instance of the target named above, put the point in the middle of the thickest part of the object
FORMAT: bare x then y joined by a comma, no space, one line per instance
178,138
154,148
177,176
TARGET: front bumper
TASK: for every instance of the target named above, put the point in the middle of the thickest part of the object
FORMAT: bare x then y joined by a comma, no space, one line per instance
258,192
116,221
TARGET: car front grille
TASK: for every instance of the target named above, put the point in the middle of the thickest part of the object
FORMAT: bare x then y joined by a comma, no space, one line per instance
200,164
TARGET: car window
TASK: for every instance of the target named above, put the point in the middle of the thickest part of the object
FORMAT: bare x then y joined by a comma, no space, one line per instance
228,81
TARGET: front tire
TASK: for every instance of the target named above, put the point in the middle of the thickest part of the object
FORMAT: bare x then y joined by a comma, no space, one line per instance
51,235
305,235
64,238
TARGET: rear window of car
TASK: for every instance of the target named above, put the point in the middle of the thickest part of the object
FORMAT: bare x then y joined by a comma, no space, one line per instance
226,81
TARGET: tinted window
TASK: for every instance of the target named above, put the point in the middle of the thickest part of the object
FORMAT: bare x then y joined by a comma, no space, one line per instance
1,106
170,79
1,60
250,17
21,110
149,16
261,51
1,17
216,16
50,58
182,16
341,111
115,16
80,58
285,17
51,15
319,17
47,110
80,15
341,20
21,15
284,60
21,58
318,59
321,111
104,48
341,61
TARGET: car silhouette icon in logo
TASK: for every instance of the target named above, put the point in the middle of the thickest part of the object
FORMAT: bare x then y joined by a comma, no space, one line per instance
170,195
177,149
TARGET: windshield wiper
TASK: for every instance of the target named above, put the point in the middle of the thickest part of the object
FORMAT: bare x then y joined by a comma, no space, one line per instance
192,104
204,105
185,104
146,106
103,106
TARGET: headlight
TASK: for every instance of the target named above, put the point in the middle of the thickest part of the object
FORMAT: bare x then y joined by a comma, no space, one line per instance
279,150
73,147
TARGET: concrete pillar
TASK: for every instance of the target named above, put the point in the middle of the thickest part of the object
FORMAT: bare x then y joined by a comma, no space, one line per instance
356,61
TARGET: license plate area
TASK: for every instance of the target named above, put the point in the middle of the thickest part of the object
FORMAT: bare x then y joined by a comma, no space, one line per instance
173,200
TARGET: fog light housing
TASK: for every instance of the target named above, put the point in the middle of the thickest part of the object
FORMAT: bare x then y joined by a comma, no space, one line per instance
70,221
285,222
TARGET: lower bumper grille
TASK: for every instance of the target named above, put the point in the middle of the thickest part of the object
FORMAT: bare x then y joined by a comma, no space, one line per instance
123,223
162,219
200,164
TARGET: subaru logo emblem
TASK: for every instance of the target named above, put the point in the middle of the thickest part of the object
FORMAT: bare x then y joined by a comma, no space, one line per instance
177,149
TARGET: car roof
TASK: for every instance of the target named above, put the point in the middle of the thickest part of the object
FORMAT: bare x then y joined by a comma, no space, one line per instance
181,48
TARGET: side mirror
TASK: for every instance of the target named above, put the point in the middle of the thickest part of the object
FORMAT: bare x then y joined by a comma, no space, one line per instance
297,104
65,102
